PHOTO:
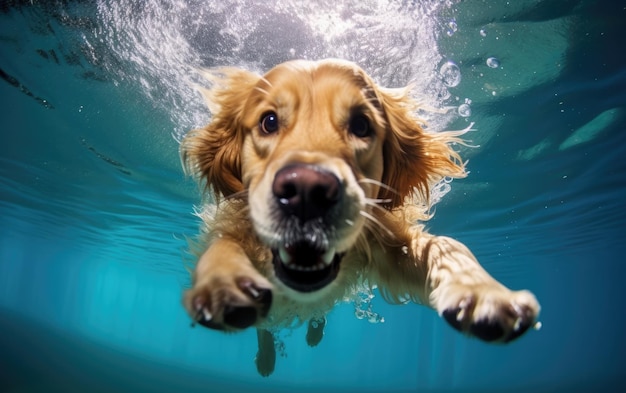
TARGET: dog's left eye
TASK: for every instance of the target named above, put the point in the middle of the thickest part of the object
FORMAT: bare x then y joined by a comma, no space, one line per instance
359,126
269,123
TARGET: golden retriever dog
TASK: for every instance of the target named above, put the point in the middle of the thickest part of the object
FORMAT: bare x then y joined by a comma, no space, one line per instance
319,179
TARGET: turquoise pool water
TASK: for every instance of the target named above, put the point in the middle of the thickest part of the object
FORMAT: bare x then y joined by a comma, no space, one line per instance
95,209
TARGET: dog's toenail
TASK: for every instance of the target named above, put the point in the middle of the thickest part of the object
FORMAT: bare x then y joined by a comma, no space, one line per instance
206,314
198,303
253,292
460,315
262,296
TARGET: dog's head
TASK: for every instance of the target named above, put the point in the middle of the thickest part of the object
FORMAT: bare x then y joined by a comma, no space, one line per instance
319,150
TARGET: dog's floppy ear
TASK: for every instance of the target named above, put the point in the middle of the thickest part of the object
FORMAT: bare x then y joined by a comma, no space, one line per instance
414,159
213,152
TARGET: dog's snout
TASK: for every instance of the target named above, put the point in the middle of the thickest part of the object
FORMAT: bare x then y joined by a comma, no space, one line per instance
306,191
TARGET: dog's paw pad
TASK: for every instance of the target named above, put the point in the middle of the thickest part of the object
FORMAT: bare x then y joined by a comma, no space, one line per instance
497,316
487,330
228,304
240,317
525,317
512,322
457,315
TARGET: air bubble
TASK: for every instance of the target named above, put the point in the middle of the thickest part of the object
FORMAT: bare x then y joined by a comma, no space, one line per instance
450,74
465,110
492,62
375,318
483,32
452,28
363,307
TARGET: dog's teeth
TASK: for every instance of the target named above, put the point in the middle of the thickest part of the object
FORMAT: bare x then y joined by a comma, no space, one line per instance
329,256
253,292
285,257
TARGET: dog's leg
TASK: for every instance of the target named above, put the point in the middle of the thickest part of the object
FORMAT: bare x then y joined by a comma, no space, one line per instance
266,356
315,331
468,298
228,293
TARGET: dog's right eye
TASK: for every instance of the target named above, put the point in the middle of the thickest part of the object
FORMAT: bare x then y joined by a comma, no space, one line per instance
360,126
269,123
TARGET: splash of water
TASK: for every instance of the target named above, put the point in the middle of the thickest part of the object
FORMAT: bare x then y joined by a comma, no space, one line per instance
157,46
363,308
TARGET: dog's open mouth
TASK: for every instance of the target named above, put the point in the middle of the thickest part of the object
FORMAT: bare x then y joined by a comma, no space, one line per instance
305,268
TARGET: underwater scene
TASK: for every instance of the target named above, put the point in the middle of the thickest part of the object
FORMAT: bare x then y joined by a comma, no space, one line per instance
96,212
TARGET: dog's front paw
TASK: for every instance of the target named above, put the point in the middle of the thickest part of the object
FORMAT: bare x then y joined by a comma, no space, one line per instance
226,303
490,312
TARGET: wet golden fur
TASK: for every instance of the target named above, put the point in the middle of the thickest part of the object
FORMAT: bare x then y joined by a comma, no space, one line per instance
388,176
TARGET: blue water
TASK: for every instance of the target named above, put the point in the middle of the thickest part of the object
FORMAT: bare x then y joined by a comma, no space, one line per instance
95,209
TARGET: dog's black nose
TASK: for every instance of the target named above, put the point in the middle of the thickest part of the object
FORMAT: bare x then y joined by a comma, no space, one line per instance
306,191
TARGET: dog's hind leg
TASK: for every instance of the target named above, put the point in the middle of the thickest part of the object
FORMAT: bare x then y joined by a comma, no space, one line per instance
315,331
266,356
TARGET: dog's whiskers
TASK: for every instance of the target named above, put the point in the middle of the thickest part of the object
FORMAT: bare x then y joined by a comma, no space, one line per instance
373,228
243,194
263,79
375,205
262,91
379,184
377,105
376,221
374,201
